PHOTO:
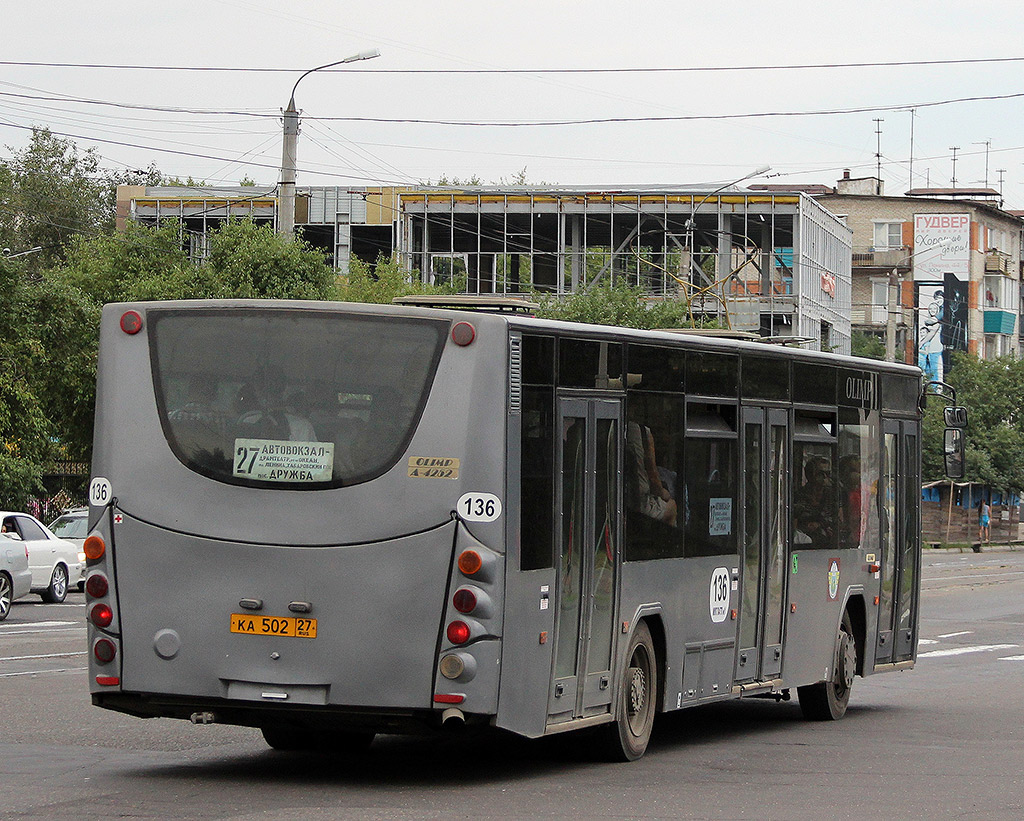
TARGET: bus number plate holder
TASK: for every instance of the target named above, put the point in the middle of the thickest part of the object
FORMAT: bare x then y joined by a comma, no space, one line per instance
250,625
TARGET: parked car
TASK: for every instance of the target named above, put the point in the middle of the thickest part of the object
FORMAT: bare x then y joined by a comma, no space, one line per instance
15,577
53,562
73,526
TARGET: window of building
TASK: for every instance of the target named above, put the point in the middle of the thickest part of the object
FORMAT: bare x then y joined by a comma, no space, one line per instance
999,292
888,235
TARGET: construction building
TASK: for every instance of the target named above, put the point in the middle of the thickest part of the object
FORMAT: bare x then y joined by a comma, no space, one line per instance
775,263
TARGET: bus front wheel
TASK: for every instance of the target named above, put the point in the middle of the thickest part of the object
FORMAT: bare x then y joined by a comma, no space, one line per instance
827,700
637,699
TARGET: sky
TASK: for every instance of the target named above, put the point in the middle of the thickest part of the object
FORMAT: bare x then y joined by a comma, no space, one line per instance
675,83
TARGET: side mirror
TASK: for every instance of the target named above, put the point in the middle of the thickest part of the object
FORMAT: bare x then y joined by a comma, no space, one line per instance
953,452
955,416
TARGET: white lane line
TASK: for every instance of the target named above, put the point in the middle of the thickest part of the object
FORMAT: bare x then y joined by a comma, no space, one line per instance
1012,658
950,635
959,651
40,672
43,656
37,624
50,632
926,641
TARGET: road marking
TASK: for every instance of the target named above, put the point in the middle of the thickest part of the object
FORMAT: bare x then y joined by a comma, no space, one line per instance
950,635
51,631
40,672
1012,658
926,641
959,651
43,656
38,624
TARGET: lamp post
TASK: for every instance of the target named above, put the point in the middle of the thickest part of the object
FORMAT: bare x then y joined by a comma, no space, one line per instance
286,198
691,223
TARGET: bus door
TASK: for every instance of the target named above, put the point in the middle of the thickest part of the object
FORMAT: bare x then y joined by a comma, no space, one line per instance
588,507
765,548
900,495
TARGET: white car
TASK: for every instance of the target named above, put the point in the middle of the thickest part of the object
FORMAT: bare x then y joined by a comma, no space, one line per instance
53,562
73,526
15,578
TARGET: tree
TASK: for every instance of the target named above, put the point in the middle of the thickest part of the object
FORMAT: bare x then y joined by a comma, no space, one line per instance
26,444
615,303
993,393
383,281
50,192
867,345
253,261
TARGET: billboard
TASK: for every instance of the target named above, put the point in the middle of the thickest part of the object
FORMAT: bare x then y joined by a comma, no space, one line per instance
942,246
941,324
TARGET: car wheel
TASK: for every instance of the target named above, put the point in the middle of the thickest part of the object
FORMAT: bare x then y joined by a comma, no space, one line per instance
6,596
58,589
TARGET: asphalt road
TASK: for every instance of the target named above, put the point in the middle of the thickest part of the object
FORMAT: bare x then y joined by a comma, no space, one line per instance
945,740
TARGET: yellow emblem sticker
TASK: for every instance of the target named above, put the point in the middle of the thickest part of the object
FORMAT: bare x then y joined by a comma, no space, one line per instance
433,467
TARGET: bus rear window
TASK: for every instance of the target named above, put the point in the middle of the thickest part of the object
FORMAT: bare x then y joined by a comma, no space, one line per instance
291,398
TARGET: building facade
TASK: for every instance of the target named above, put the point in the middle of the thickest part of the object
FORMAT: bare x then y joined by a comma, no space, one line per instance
937,270
775,263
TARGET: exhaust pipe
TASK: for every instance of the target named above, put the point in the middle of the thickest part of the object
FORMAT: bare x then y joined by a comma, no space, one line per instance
202,718
453,718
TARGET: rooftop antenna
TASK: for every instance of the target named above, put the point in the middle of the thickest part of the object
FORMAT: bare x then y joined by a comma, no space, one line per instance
954,149
913,114
985,143
878,155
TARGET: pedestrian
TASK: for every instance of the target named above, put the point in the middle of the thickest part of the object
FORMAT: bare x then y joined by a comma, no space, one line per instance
984,514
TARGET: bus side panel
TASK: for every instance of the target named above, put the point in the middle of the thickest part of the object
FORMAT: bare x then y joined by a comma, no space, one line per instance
700,635
816,605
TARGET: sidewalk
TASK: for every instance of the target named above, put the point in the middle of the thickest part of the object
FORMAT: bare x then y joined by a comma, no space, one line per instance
977,547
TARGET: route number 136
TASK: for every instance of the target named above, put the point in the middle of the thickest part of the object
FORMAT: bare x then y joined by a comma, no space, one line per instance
479,507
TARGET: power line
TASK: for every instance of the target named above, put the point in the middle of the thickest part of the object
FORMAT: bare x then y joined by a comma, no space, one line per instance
448,71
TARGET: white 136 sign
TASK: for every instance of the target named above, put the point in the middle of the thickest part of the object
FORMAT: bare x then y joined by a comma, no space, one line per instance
719,594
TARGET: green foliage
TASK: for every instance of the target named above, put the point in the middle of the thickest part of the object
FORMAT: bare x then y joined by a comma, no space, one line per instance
385,280
252,261
993,392
867,345
49,192
615,304
25,429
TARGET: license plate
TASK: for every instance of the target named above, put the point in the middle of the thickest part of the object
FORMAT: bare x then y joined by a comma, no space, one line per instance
273,626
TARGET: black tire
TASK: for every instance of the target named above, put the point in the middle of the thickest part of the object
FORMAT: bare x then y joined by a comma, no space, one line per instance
827,700
6,595
627,737
58,589
300,739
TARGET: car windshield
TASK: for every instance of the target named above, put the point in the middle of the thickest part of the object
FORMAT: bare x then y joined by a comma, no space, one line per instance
71,527
291,398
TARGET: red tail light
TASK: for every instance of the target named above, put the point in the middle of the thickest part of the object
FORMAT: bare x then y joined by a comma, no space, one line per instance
96,585
104,650
458,632
101,615
464,600
131,322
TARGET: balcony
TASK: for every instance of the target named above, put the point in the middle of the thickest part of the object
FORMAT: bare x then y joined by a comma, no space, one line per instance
898,258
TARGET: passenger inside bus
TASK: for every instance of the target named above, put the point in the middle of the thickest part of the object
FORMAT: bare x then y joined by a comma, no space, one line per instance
652,497
814,506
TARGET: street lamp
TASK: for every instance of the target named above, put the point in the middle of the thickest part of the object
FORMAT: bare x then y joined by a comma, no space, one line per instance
286,200
691,223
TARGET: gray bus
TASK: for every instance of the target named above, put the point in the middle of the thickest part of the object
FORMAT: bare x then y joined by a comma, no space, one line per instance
331,520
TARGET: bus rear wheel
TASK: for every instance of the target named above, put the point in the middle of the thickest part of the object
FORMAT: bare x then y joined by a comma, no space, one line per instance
629,734
827,700
300,739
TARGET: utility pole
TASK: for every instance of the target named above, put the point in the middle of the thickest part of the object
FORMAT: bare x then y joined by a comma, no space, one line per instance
890,317
913,113
289,150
